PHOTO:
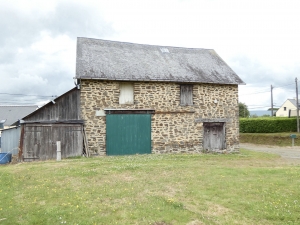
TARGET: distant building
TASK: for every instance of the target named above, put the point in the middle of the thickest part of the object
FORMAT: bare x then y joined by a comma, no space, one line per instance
10,114
288,109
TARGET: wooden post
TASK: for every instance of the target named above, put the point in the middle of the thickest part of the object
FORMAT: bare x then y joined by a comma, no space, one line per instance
85,142
58,156
21,143
271,100
297,103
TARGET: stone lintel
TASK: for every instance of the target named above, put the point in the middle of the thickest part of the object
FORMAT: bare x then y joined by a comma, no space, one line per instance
212,120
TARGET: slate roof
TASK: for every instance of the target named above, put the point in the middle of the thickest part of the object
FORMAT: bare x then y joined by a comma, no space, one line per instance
13,113
294,102
111,60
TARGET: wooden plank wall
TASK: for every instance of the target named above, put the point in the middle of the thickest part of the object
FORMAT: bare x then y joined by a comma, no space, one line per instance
40,141
66,107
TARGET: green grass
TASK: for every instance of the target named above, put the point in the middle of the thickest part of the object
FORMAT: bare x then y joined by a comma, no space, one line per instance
279,139
245,188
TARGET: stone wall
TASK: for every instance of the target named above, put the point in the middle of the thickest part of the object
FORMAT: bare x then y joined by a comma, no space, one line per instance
175,128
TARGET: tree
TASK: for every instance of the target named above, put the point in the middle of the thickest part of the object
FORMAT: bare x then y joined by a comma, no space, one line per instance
243,110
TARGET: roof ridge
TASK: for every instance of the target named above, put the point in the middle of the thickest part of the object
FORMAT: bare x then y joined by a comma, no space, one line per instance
153,45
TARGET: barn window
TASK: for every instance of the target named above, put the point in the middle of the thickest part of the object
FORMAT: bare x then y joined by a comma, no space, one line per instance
284,108
186,94
126,93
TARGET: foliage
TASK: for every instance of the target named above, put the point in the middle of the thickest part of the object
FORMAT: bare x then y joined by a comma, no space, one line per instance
243,110
245,188
268,125
274,109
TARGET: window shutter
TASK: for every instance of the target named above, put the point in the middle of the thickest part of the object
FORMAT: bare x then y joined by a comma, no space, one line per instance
186,94
126,93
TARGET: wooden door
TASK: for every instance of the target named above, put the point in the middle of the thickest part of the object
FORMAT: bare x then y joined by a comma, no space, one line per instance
40,141
32,144
214,136
128,134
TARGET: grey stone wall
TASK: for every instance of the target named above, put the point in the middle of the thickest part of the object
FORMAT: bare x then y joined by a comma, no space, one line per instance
175,128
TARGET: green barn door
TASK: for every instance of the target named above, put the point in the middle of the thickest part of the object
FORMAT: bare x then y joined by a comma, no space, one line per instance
128,134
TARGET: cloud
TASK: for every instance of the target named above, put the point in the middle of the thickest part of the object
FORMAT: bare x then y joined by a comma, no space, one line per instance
259,77
258,39
38,46
255,72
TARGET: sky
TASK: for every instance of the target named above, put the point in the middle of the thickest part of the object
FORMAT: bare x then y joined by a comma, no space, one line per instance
258,39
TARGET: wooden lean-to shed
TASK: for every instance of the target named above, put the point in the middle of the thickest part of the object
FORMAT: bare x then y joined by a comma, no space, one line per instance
138,98
59,120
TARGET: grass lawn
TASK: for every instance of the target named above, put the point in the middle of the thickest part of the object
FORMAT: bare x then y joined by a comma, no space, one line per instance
245,188
279,139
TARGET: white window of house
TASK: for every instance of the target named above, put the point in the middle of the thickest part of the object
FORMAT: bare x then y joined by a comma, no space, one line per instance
186,94
284,108
126,93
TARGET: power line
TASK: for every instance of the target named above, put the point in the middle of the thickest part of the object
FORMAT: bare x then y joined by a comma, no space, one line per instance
284,85
254,93
259,92
22,103
253,106
9,104
260,107
42,96
22,100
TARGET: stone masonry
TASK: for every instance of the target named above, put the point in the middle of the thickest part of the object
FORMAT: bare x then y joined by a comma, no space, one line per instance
175,128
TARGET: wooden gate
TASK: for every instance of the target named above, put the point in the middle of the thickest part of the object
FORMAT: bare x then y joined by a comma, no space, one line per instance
128,134
214,136
39,141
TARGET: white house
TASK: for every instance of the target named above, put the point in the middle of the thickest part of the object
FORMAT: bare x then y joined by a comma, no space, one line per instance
288,108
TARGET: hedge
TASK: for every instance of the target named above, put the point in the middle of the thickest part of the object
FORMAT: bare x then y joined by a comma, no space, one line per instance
268,125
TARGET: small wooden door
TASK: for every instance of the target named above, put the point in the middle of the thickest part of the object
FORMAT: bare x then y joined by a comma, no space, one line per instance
32,143
214,136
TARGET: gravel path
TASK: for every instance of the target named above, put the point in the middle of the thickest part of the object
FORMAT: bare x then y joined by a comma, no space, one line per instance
285,152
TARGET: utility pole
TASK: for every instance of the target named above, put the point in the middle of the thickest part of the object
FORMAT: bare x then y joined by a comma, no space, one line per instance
297,103
272,100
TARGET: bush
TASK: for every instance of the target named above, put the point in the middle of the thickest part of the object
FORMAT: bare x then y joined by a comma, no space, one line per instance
268,125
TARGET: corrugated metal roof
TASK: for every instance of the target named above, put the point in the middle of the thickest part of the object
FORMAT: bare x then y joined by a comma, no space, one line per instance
13,113
111,60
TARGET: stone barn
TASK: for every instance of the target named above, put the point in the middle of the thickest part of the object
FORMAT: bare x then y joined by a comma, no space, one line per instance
139,99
